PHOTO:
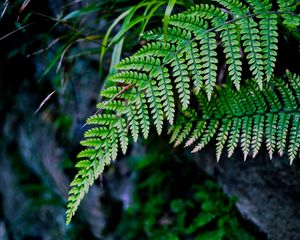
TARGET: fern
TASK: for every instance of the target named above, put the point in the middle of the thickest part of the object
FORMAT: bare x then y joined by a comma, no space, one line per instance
148,84
251,126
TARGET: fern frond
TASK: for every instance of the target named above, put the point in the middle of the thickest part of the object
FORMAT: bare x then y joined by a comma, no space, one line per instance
192,23
234,6
273,100
253,49
123,134
139,63
246,135
133,121
96,132
282,131
289,101
271,128
288,7
234,136
165,69
129,77
194,65
175,130
155,49
166,93
222,137
112,91
294,80
101,119
266,117
232,53
174,35
143,114
207,136
199,129
113,105
250,38
184,133
268,32
182,80
257,135
154,100
209,13
294,144
89,171
209,62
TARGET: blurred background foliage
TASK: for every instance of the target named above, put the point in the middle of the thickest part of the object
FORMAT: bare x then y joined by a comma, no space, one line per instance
54,56
173,199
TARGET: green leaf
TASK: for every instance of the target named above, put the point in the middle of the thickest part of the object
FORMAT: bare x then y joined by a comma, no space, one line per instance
168,12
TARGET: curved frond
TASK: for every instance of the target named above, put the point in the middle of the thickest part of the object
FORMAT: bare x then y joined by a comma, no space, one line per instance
275,121
181,64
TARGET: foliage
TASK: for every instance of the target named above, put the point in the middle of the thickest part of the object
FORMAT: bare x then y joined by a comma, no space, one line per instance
248,115
155,83
166,207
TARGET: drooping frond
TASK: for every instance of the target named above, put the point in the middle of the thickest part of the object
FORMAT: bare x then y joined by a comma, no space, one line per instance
250,38
268,34
170,67
276,121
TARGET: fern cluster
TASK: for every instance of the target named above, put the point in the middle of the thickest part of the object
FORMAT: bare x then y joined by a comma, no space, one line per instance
163,73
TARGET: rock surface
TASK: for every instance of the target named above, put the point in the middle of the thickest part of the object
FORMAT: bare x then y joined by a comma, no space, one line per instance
268,191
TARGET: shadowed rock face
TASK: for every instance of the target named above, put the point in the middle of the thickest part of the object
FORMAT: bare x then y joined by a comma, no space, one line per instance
268,191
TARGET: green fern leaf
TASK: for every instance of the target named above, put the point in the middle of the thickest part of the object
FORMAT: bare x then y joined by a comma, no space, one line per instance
194,64
246,135
289,101
175,130
268,32
294,143
222,137
183,134
182,80
96,132
133,121
271,129
288,7
192,23
208,12
123,136
155,49
154,100
234,136
146,63
250,38
258,129
199,129
209,62
208,134
148,84
232,53
143,114
174,35
166,92
295,83
265,117
282,131
235,6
